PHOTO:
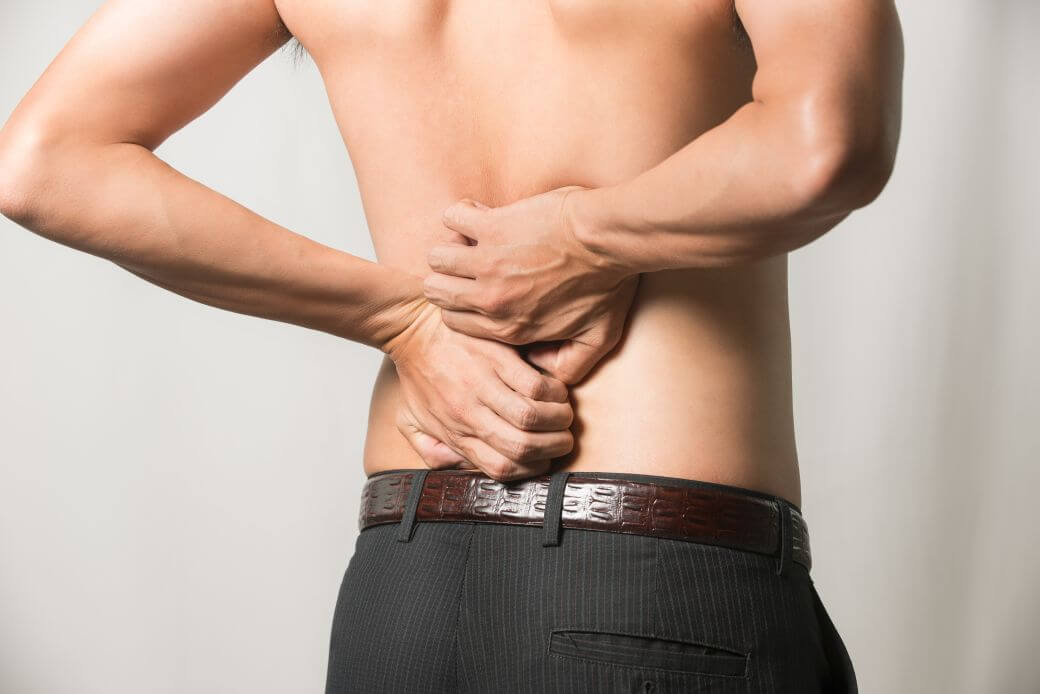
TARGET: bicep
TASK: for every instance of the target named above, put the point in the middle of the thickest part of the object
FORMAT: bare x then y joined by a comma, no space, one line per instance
839,58
139,70
799,43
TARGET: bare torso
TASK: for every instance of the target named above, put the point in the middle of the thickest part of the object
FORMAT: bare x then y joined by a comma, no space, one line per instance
443,99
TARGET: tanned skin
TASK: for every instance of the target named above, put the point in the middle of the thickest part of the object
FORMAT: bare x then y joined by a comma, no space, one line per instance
601,189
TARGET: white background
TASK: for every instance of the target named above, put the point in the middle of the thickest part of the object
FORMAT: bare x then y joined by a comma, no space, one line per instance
179,484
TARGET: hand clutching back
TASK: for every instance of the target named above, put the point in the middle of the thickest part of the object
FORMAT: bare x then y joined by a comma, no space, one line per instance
527,278
475,402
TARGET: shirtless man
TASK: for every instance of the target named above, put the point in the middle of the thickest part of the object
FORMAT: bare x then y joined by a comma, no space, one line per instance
603,189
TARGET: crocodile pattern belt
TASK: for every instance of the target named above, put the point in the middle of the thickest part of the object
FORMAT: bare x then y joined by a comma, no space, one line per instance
698,512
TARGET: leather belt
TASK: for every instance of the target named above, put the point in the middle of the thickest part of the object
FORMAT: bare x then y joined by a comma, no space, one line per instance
694,511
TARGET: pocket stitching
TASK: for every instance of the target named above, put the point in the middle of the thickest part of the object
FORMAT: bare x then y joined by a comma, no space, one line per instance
731,653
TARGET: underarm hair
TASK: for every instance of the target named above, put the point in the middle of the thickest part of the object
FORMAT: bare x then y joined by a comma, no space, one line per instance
743,40
291,44
295,49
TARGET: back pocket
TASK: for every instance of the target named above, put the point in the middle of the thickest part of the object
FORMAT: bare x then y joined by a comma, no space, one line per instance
650,652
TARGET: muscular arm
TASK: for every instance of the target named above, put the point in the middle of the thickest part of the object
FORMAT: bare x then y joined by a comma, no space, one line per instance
817,141
77,166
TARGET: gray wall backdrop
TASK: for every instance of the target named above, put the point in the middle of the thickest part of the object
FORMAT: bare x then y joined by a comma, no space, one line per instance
179,484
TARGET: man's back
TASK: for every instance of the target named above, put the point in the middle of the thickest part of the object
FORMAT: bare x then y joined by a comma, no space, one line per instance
617,147
439,100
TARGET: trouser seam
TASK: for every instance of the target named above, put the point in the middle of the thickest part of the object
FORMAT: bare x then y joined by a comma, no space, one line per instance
458,606
655,588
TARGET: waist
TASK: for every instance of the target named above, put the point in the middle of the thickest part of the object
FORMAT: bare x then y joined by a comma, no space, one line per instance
641,427
653,505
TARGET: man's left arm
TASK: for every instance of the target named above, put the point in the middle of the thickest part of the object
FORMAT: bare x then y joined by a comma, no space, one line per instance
817,141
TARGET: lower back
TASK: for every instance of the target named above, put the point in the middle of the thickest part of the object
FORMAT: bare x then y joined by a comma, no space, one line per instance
438,100
698,387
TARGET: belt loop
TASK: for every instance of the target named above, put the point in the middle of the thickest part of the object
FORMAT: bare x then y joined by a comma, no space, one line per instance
554,508
404,531
783,562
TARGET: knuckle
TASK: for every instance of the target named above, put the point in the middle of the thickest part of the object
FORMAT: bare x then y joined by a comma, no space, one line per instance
536,386
495,304
457,411
454,436
504,298
525,381
527,416
521,448
499,470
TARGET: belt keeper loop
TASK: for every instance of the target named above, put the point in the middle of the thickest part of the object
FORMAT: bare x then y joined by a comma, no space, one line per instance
554,508
404,531
786,533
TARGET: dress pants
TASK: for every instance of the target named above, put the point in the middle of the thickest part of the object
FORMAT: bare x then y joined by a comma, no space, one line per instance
486,608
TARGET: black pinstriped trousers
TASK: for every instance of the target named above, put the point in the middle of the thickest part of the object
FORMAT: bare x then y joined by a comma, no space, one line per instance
487,608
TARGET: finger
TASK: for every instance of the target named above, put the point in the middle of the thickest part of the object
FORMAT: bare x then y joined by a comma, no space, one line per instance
466,217
461,261
527,380
515,444
434,452
455,293
478,325
569,362
572,360
523,412
544,357
495,465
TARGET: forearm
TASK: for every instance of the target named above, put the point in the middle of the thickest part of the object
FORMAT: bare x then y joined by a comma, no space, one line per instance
122,203
764,182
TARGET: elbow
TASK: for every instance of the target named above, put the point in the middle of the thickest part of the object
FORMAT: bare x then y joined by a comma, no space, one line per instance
839,178
20,176
34,174
14,201
845,161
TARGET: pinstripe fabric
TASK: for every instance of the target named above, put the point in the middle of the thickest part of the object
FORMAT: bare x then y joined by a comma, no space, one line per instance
473,607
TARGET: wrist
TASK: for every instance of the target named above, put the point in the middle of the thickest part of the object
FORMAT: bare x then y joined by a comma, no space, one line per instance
403,322
586,213
400,302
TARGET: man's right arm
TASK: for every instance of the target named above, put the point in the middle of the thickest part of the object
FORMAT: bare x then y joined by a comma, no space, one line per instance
77,166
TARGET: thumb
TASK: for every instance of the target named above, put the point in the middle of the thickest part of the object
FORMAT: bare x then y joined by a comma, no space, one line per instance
434,452
464,217
569,361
